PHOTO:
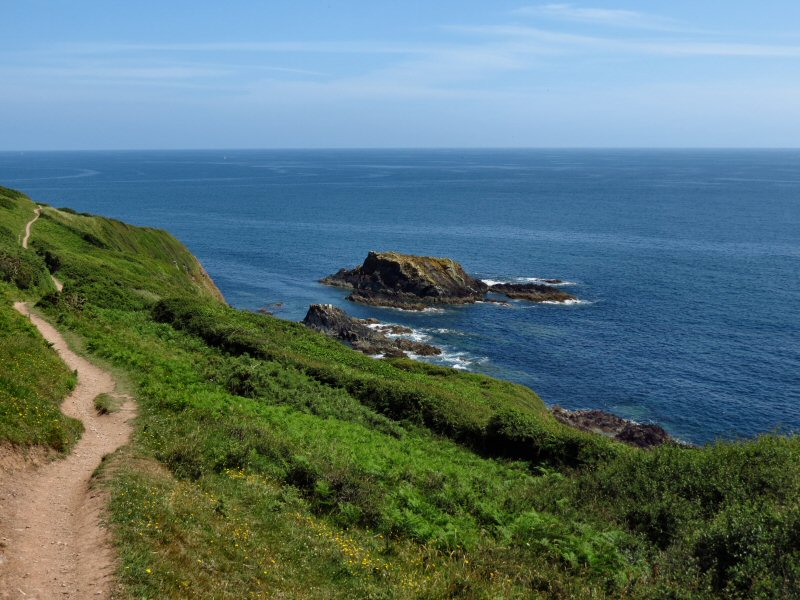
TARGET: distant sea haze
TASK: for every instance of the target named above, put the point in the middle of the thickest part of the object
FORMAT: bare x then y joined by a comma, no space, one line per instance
687,263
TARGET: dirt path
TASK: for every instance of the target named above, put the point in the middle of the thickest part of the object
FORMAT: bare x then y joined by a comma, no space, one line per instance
37,211
52,544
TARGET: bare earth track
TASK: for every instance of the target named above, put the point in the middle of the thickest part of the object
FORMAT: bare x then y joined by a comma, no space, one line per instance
52,542
27,237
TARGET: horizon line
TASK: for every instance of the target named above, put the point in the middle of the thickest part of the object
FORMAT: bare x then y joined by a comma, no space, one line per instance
384,148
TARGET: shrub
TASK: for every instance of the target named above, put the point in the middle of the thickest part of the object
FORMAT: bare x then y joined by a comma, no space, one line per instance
22,269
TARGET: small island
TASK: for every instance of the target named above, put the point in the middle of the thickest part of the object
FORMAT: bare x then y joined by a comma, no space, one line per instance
415,282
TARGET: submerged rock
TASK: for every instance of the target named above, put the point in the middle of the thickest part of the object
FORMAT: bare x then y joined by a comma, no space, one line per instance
647,435
535,292
408,281
336,323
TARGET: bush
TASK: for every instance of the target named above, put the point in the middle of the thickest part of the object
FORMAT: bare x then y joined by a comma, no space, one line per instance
400,390
22,269
513,434
752,550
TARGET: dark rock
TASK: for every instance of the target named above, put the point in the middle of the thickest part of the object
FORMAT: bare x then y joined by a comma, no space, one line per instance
535,292
415,347
647,435
418,282
336,323
392,329
408,281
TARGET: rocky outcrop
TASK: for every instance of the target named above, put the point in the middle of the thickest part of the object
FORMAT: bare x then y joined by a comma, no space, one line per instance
408,281
534,292
365,335
647,435
418,282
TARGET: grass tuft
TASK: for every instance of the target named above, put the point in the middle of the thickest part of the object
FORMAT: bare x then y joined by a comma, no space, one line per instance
106,404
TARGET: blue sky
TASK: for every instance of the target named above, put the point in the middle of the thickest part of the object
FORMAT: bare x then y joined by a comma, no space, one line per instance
111,74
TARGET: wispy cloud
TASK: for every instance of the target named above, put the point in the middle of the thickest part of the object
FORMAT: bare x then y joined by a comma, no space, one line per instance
473,61
286,47
600,16
631,46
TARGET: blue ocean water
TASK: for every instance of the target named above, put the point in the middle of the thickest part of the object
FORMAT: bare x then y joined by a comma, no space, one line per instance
687,262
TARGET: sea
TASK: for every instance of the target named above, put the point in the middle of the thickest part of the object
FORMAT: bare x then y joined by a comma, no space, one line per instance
686,263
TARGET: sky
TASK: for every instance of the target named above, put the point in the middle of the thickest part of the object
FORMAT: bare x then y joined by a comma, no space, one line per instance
177,74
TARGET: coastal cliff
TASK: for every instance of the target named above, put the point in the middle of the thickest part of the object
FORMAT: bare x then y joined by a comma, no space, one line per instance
270,460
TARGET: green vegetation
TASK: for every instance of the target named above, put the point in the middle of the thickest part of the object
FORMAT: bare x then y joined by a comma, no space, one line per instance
106,403
270,461
33,380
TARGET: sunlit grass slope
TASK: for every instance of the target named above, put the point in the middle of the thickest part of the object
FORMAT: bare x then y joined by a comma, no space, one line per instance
272,462
33,380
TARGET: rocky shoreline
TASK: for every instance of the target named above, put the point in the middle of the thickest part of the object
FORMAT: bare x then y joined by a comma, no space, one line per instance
365,335
641,435
415,282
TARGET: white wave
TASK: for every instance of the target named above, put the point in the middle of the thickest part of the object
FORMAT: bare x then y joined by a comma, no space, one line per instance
540,280
491,282
429,309
461,361
545,281
414,336
571,301
445,331
457,360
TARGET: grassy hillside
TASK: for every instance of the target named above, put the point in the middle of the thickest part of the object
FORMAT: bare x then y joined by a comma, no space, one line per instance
272,462
33,380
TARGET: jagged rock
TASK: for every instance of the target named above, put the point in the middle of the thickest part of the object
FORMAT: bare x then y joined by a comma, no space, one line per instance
535,292
336,323
408,281
418,282
647,435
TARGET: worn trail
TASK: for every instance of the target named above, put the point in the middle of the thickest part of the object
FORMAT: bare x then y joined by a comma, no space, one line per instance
27,237
52,542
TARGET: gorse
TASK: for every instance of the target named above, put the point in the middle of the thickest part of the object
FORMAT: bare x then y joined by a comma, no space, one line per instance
270,461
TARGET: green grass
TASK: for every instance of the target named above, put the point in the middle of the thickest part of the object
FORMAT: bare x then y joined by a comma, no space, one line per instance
33,380
488,415
106,404
272,462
